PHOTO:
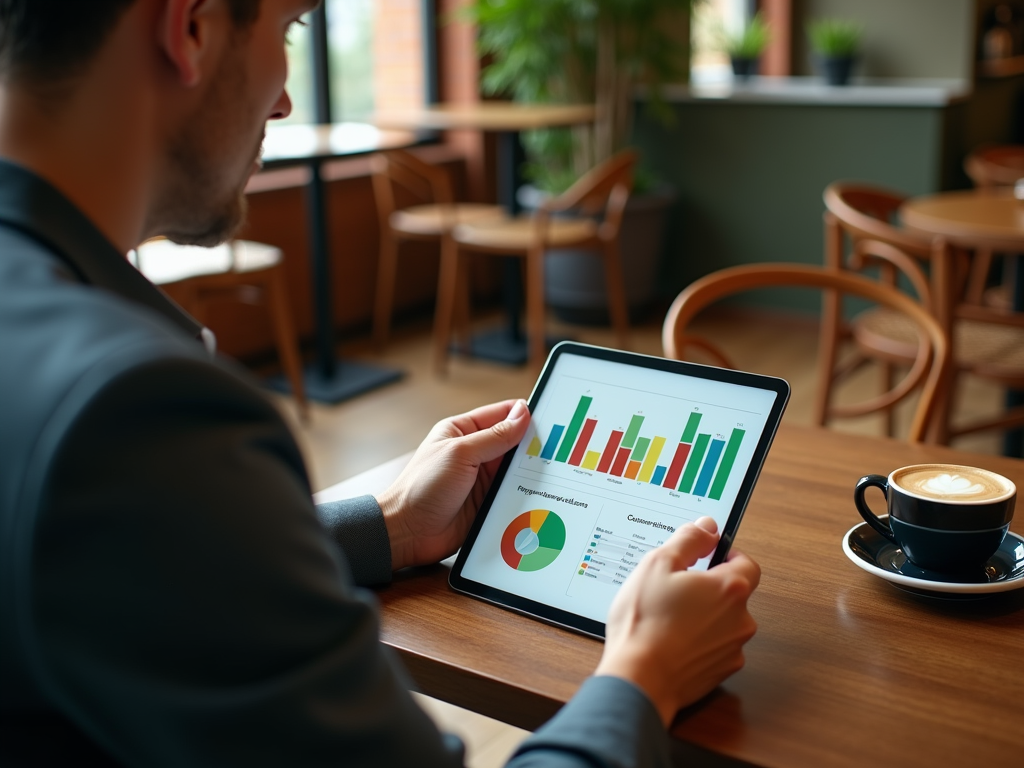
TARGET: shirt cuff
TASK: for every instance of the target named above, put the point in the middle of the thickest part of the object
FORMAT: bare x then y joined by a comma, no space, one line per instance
357,525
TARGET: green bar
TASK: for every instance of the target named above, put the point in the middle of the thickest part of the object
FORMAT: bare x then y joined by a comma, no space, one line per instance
574,428
722,476
632,432
693,464
691,428
652,458
641,449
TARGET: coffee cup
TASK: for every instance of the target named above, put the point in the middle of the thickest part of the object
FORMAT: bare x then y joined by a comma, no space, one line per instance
945,517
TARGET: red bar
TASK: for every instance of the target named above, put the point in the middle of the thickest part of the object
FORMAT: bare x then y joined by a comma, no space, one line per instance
609,451
582,442
620,461
676,469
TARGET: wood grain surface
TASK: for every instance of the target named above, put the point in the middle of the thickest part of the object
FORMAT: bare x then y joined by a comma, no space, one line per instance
845,669
487,116
969,219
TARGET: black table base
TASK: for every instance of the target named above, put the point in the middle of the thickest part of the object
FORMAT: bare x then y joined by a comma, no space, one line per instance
348,380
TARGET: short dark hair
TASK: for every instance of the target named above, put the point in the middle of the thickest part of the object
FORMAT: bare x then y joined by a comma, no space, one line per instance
48,40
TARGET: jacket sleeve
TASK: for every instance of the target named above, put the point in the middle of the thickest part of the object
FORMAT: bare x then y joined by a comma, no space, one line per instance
190,608
357,527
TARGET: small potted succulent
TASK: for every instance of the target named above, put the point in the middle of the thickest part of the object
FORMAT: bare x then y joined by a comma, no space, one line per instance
836,43
745,47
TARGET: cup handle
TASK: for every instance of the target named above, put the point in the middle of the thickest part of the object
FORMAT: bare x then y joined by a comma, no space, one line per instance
872,481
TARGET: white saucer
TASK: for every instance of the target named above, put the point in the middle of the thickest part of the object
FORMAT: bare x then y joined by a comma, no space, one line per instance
877,555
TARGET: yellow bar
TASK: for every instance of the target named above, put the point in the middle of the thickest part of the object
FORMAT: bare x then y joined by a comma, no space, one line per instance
651,459
534,449
591,459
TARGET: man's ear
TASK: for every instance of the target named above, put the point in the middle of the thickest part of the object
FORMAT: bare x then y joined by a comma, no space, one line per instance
187,34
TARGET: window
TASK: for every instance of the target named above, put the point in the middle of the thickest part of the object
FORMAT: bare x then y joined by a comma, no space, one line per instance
712,19
376,56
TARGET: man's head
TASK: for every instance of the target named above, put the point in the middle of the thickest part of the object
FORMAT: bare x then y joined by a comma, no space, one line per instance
203,77
49,41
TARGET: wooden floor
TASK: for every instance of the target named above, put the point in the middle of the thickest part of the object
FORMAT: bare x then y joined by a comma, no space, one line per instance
346,439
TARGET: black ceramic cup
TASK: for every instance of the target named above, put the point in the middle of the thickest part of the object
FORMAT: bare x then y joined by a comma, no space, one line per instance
944,517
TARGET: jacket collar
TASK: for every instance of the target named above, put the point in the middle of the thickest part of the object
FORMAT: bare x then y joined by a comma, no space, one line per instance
33,206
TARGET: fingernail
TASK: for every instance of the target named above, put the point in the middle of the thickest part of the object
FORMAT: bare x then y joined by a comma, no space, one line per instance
518,411
707,523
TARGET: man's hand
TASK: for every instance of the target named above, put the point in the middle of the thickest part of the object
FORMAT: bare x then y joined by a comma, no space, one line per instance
675,633
428,510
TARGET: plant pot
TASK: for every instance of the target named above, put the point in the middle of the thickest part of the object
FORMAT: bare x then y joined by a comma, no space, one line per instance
574,282
743,68
837,69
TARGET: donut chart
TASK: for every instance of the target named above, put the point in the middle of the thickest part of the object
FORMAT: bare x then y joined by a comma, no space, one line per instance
533,540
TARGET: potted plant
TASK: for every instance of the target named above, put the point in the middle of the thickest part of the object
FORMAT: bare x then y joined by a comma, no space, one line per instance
836,43
584,51
745,47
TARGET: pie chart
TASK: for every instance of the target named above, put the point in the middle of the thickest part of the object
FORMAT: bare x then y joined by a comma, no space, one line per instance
533,540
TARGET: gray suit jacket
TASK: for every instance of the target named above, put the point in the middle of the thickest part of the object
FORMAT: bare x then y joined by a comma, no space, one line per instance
168,593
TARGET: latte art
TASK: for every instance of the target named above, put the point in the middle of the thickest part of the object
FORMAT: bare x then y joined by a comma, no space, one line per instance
948,482
952,485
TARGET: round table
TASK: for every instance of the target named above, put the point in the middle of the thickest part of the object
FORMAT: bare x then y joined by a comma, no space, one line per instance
970,219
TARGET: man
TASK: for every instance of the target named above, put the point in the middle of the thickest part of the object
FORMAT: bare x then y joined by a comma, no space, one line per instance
169,595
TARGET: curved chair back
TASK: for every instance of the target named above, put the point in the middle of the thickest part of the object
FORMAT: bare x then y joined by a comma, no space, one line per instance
603,189
933,350
864,211
397,168
995,165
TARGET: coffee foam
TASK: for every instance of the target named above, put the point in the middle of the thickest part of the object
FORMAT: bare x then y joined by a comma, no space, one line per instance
951,482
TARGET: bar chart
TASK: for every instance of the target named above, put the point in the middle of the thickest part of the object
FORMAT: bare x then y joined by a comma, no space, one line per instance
696,458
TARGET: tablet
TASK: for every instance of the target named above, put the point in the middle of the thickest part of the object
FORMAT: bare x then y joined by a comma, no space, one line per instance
622,449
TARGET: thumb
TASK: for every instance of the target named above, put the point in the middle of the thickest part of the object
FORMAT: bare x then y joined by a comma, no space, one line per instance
690,543
490,443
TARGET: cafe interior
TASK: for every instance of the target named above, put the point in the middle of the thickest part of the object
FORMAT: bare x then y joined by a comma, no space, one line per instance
462,184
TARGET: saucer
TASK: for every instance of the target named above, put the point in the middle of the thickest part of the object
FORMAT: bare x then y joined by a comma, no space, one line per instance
877,555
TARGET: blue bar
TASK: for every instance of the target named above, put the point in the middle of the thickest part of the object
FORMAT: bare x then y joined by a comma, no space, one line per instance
552,443
704,479
659,475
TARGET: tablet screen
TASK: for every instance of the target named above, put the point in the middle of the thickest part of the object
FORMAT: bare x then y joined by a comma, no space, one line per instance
616,458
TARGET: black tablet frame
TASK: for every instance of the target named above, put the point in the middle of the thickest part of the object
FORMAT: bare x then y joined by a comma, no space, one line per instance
574,621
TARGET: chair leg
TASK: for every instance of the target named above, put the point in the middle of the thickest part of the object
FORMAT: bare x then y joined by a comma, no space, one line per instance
284,331
535,307
617,307
386,272
828,344
447,288
462,305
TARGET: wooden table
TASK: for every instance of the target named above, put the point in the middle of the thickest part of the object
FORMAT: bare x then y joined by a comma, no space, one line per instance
990,220
328,380
845,670
506,119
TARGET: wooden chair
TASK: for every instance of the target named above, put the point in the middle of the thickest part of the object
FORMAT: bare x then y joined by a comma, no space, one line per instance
397,177
987,342
598,200
240,270
991,166
931,348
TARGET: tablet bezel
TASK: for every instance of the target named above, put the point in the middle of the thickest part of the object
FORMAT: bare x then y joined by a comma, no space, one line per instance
574,621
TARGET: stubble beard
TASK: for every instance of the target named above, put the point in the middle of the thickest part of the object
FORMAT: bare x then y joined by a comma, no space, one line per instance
205,202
